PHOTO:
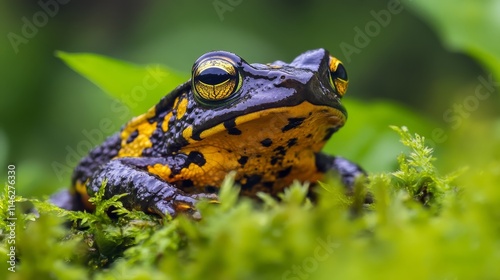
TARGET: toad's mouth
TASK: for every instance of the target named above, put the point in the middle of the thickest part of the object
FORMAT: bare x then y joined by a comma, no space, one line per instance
312,123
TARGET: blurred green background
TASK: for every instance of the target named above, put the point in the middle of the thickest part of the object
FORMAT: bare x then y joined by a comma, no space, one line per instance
417,64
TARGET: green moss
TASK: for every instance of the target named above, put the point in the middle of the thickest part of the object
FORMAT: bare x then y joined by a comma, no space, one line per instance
420,227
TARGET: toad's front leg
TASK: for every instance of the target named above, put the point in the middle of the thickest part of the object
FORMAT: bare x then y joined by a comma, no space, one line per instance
146,192
347,170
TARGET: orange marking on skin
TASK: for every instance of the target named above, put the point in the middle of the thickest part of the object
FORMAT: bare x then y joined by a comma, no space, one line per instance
164,125
213,130
141,142
182,207
181,108
188,133
161,171
223,150
82,190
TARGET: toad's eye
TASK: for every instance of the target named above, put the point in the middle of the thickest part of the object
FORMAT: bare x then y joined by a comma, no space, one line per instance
215,78
338,76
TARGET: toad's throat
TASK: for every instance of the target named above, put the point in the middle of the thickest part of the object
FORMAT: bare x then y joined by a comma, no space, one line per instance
305,120
274,145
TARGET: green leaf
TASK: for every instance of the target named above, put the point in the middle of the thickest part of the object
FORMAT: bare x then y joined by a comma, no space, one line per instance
471,26
138,87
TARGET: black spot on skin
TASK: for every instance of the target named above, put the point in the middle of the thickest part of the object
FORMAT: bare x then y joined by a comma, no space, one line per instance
231,127
211,189
187,183
196,136
274,160
283,173
329,132
266,142
309,135
252,180
234,131
132,136
321,162
243,160
196,158
268,185
280,150
292,142
152,119
292,123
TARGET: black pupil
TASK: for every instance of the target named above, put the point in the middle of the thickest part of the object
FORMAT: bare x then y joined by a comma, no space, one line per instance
213,76
340,73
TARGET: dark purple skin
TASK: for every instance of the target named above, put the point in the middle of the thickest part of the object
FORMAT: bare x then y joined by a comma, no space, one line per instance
149,193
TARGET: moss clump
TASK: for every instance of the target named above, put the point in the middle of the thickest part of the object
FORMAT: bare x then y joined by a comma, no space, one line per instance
420,227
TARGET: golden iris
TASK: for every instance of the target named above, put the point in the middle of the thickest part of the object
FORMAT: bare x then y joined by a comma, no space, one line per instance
215,79
338,76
